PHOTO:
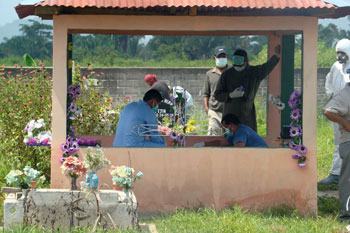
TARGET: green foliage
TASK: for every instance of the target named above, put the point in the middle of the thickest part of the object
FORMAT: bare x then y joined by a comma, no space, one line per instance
36,39
99,114
326,56
23,98
29,61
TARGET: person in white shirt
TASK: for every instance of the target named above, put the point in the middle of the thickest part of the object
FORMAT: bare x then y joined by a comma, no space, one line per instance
336,80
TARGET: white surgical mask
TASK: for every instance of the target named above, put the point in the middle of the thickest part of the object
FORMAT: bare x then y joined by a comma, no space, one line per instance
221,62
239,68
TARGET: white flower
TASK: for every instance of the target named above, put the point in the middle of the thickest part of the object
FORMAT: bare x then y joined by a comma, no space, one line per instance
39,123
44,135
31,126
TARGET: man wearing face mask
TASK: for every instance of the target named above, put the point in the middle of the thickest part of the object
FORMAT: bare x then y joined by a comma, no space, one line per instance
336,80
213,107
138,120
238,135
239,84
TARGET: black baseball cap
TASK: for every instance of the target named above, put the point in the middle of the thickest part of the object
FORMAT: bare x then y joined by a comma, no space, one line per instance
219,50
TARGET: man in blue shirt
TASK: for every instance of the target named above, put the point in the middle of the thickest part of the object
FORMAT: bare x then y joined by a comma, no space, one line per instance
137,125
238,135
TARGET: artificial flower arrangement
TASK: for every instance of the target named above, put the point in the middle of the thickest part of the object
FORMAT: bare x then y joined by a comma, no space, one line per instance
124,176
177,131
23,179
296,131
177,139
94,160
74,168
36,135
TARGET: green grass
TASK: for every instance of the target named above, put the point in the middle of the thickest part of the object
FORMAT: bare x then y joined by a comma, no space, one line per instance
278,219
325,146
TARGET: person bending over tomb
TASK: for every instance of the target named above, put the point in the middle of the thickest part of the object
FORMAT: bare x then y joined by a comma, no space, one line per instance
238,85
238,135
137,125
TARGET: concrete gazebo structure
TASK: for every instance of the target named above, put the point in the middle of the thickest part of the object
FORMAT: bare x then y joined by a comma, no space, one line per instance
213,177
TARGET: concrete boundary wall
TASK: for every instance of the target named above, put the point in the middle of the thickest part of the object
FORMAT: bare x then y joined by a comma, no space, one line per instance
120,82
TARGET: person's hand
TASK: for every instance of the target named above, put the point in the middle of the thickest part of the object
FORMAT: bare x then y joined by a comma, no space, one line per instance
199,144
347,126
236,93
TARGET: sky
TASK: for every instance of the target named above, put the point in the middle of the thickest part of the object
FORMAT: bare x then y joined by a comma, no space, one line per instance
8,13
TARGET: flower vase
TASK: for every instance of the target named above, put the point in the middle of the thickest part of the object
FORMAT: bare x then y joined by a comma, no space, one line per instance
73,183
32,184
24,193
91,180
117,187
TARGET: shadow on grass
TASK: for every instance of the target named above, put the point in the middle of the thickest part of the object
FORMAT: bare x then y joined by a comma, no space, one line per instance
325,187
328,206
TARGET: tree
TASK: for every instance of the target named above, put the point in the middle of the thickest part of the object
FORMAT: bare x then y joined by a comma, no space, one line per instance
36,40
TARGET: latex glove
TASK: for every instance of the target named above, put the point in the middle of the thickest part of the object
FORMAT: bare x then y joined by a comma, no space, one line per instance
199,144
236,93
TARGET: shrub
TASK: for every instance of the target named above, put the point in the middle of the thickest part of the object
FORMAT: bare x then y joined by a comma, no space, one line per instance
24,97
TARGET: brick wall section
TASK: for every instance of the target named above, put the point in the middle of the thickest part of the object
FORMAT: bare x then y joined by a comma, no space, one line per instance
121,82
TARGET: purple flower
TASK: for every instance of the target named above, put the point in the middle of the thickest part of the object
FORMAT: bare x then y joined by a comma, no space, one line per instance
302,149
61,160
295,95
302,165
296,156
172,100
292,103
64,147
294,131
293,146
70,139
173,135
75,145
72,129
77,93
295,114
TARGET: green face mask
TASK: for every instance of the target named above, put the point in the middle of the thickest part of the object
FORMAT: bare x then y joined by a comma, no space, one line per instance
228,133
238,60
155,109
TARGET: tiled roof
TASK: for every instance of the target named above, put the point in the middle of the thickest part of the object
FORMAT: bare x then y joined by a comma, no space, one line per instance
47,8
277,4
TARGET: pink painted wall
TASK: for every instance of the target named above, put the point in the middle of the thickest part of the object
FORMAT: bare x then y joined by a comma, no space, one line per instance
214,177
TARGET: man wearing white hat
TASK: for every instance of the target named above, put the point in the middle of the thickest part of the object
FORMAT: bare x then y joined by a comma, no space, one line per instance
335,82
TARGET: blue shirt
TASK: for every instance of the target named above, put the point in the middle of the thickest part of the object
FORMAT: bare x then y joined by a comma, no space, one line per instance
129,130
248,136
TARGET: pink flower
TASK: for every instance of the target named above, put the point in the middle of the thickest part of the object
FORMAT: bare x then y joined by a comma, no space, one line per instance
30,102
15,65
10,72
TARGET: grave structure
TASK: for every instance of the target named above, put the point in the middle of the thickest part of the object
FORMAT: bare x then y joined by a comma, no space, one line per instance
214,177
64,209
